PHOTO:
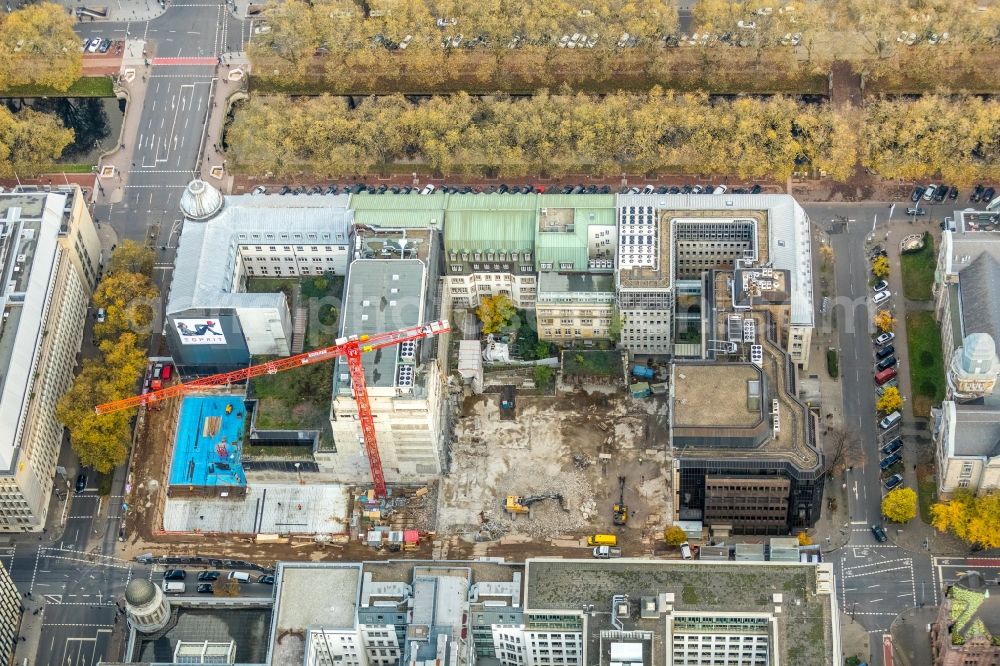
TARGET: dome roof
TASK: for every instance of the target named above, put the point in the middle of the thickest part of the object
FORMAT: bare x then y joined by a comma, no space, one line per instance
979,354
200,200
139,592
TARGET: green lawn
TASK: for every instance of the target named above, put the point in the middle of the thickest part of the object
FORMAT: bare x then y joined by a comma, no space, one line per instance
69,168
592,363
918,271
86,86
926,364
926,491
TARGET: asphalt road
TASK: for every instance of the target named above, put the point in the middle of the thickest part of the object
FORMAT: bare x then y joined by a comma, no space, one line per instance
876,581
74,581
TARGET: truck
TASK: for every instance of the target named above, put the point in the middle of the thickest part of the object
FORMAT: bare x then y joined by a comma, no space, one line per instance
643,372
606,552
602,540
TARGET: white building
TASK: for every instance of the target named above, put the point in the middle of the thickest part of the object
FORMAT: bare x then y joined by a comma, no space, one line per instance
225,242
49,258
404,383
146,605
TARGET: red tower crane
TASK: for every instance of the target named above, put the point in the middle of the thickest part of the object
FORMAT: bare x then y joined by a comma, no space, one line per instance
352,347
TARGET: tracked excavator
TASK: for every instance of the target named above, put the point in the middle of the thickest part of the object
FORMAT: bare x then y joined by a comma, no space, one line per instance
516,504
620,509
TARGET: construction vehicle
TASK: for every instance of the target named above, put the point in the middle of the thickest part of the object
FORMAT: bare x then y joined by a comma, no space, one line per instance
620,509
352,347
516,504
602,540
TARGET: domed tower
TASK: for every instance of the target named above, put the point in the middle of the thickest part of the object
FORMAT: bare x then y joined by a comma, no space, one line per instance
147,607
201,201
974,367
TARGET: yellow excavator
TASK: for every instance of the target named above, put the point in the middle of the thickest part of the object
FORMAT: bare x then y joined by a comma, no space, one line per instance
517,504
620,509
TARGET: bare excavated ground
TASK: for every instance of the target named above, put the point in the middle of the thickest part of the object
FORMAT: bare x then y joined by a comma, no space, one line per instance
576,445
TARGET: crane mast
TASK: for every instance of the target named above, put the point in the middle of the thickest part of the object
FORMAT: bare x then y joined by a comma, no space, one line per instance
352,347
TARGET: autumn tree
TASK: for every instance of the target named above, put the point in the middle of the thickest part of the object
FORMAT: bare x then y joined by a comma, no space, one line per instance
674,536
40,48
880,266
495,312
30,142
826,254
884,321
975,520
227,587
804,539
128,300
842,449
132,257
889,401
900,505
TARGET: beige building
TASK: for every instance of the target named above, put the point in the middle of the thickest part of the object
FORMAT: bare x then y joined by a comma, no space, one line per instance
574,307
967,629
10,616
50,256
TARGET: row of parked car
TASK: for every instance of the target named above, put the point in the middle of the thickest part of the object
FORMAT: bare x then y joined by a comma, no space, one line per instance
938,193
96,45
173,580
506,189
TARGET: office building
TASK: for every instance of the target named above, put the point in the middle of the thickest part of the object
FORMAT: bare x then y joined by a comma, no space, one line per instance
10,616
214,324
405,383
50,257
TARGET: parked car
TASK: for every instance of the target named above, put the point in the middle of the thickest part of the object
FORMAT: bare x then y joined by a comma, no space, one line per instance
918,192
892,447
284,190
648,189
721,189
988,194
881,297
260,189
885,352
94,44
881,285
952,193
81,483
930,191
884,338
879,533
266,579
916,212
208,575
877,251
756,189
428,189
206,588
886,363
101,316
174,574
104,46
889,461
940,193
977,193
893,481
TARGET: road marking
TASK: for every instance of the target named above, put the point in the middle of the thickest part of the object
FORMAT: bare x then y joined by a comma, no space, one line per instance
53,598
900,596
872,601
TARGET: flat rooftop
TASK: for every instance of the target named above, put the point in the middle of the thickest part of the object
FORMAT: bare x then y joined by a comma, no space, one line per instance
311,596
208,446
804,623
715,394
30,224
381,295
247,627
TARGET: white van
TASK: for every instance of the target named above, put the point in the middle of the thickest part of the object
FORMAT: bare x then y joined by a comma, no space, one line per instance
174,587
686,551
241,576
429,189
890,420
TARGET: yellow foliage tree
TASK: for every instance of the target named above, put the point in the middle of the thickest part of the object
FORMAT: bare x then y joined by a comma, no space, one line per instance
30,142
495,312
40,48
975,520
900,505
890,401
826,254
674,536
128,300
880,266
132,257
884,321
804,539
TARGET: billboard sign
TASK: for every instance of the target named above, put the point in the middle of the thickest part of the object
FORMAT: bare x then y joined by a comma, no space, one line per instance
200,331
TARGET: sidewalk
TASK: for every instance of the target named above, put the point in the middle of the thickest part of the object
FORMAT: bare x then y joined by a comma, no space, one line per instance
230,86
132,82
119,11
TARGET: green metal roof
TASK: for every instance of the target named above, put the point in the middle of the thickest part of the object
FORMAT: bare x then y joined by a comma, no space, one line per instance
492,202
408,219
509,230
570,247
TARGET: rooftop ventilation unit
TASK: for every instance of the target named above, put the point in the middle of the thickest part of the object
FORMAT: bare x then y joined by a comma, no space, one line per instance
405,379
408,349
749,330
757,355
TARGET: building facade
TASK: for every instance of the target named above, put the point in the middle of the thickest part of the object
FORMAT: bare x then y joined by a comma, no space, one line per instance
967,627
574,308
967,446
50,258
10,616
